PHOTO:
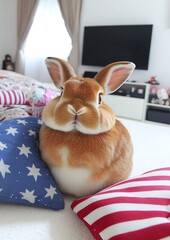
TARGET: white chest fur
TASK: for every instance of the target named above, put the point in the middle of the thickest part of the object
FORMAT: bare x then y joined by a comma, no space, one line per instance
73,180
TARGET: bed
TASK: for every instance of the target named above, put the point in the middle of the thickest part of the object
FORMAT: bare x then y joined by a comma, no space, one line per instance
20,221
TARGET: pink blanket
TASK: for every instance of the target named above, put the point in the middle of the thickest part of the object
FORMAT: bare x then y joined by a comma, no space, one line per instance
22,96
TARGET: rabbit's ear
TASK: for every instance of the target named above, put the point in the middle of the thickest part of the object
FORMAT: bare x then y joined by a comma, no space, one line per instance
114,75
59,70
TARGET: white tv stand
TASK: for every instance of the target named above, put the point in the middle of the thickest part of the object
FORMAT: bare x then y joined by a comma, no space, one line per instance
132,101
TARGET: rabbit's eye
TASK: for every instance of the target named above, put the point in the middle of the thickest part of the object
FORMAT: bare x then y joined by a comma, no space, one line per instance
61,88
100,98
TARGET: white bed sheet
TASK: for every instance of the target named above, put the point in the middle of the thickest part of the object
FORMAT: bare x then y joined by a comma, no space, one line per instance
151,150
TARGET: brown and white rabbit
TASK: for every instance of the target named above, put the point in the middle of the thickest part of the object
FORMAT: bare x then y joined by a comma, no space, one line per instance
84,145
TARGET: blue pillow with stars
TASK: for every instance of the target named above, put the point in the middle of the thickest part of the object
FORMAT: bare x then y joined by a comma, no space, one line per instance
24,177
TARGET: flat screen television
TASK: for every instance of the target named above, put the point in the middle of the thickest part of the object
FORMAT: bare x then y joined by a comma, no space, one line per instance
106,44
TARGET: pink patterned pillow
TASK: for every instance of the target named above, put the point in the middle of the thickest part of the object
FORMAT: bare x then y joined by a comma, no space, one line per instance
135,209
12,97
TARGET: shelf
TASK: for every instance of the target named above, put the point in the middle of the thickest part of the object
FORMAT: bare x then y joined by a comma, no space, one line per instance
132,90
158,105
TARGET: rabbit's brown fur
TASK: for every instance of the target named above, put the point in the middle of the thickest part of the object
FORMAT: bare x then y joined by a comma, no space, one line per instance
84,145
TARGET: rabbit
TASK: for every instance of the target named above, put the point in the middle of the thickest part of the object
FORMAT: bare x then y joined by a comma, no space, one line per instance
86,148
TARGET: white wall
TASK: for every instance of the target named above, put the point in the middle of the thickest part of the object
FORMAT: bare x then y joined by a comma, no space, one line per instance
8,29
111,12
117,12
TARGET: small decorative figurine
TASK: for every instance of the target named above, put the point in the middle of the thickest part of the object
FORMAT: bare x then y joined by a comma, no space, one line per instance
7,63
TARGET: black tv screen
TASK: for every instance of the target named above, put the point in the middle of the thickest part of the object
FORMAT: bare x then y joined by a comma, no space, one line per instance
106,44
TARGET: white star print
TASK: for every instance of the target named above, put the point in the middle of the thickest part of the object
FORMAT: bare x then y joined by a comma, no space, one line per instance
4,168
29,196
21,121
40,121
0,189
50,192
32,133
12,131
2,146
35,172
24,150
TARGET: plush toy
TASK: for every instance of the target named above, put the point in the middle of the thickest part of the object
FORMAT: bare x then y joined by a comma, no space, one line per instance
162,96
84,145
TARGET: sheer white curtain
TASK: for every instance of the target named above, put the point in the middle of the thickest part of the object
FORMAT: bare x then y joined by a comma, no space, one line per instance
26,13
48,37
71,12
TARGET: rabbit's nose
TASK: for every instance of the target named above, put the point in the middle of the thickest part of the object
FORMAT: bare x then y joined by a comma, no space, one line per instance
76,111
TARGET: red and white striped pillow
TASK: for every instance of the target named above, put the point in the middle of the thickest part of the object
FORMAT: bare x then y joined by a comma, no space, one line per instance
134,209
11,97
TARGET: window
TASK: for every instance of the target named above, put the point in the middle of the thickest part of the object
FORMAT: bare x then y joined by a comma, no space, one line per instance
48,37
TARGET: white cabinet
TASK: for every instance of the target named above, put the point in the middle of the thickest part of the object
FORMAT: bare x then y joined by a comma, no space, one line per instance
126,107
129,101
